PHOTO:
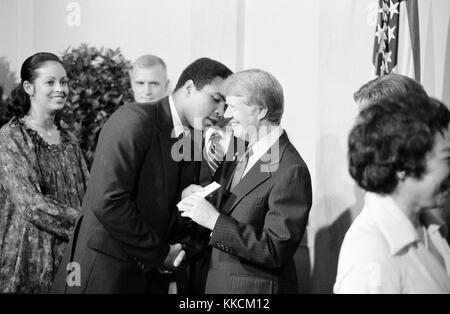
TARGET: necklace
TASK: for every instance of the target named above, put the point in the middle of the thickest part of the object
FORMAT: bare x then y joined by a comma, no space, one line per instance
47,131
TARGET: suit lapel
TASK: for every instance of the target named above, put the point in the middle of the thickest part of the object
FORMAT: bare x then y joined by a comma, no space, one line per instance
248,183
260,172
226,168
165,125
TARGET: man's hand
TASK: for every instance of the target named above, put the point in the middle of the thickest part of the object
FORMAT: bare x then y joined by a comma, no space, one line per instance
191,189
199,210
174,259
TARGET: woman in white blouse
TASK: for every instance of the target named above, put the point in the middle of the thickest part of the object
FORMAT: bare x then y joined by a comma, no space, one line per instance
399,152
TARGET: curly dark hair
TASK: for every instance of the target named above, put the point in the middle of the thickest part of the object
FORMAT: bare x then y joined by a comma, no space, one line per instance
28,72
394,134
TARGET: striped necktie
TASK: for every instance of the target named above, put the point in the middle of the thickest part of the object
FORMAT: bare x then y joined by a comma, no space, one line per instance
214,151
240,168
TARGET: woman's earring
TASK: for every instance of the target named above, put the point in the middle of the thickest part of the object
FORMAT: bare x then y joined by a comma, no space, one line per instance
401,175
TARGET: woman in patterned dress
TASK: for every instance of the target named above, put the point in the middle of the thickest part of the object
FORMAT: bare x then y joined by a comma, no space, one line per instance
43,178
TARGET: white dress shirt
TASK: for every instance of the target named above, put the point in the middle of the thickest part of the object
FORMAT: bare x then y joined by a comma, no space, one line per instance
262,145
382,252
178,127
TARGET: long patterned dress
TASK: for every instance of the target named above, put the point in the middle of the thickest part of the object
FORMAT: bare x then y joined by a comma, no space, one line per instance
41,192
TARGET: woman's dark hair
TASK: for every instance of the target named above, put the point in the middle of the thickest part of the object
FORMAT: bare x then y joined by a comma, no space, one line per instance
28,72
394,134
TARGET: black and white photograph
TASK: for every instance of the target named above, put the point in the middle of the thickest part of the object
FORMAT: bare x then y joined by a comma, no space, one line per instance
217,154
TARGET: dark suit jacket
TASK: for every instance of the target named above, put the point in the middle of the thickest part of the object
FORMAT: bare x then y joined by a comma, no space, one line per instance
261,224
129,210
198,251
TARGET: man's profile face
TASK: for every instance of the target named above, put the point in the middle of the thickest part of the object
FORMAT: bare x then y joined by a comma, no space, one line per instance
149,84
206,105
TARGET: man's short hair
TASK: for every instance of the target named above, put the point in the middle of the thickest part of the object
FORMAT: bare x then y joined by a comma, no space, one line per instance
148,61
202,72
260,88
387,85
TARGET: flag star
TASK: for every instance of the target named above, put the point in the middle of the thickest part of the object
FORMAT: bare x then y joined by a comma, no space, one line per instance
383,68
393,9
388,57
391,33
384,9
380,34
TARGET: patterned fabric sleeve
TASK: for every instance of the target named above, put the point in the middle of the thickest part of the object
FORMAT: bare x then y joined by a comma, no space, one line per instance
83,164
21,180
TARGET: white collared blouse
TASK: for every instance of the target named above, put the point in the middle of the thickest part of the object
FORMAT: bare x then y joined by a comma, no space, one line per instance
382,252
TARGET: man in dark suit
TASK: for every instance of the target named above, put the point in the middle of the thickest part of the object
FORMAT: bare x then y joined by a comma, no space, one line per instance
218,142
264,202
124,242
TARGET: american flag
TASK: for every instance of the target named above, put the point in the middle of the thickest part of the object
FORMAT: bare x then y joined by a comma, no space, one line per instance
396,44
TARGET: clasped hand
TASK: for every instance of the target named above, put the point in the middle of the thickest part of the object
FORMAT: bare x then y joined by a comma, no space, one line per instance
197,208
174,259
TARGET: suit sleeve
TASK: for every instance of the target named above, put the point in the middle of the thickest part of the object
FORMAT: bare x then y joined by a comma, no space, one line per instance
124,141
285,222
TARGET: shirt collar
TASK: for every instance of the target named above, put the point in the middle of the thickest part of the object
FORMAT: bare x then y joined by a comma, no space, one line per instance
209,131
393,223
262,145
178,127
226,136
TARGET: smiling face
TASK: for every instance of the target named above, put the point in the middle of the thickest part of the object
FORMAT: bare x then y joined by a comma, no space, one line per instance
244,118
149,84
430,190
205,105
50,88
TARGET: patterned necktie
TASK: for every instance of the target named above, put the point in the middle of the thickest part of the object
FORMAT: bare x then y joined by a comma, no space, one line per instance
240,168
214,151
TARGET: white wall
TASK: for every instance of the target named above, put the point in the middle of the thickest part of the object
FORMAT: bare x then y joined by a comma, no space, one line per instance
434,21
177,30
16,39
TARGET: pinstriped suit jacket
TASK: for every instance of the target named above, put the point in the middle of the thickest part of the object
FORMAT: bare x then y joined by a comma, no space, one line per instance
260,227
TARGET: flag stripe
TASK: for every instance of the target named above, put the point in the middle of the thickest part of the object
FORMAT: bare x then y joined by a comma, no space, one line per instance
412,9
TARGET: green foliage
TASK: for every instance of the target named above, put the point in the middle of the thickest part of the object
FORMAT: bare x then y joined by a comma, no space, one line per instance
3,118
99,84
7,83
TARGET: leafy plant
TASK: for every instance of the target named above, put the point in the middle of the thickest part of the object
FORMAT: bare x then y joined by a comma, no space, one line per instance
3,118
99,84
7,83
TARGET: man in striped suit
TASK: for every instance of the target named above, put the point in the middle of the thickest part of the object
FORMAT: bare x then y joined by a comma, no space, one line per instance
263,206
